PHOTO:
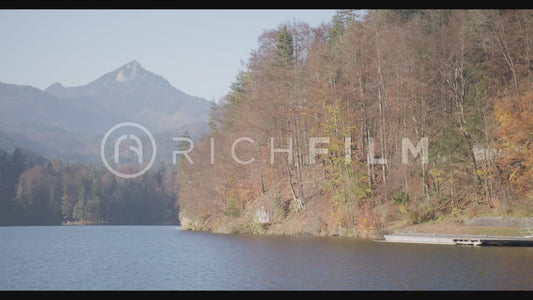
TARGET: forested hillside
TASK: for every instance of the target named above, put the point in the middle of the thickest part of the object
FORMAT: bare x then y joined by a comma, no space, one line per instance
36,191
458,81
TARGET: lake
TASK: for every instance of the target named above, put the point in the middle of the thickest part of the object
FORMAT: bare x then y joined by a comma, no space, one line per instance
167,258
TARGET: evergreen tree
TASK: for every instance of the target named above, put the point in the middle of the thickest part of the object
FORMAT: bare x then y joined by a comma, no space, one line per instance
284,53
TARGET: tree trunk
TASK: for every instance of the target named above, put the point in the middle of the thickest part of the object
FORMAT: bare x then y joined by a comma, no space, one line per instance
296,199
382,104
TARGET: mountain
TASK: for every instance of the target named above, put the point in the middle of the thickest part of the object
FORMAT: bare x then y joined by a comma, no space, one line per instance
9,142
26,109
69,122
137,95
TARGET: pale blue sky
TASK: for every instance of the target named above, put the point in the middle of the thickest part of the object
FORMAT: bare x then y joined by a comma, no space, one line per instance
197,51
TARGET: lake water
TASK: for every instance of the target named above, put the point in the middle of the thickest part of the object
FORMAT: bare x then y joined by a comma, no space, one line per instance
166,258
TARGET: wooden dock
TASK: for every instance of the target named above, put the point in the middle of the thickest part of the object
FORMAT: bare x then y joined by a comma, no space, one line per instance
450,239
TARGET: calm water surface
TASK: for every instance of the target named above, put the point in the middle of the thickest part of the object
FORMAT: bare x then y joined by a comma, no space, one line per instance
166,258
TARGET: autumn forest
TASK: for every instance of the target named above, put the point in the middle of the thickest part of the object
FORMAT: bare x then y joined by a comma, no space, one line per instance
319,116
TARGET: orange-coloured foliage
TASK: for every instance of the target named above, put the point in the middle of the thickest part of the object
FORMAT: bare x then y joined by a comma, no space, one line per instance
515,116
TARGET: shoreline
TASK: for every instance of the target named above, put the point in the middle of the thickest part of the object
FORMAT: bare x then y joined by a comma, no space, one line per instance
491,227
460,240
480,226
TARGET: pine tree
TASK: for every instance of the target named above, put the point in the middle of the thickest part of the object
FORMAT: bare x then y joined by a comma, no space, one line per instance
284,53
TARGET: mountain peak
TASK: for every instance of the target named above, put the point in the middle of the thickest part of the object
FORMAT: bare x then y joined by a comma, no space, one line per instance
133,64
55,89
128,72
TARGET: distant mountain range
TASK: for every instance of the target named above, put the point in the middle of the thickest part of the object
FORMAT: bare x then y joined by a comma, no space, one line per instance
69,122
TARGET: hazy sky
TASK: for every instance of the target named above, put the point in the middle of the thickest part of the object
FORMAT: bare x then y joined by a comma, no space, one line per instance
197,51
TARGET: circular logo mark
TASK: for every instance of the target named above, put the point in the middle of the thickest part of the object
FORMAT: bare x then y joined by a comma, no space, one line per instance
137,150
